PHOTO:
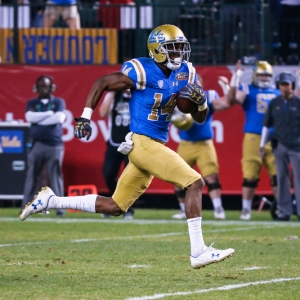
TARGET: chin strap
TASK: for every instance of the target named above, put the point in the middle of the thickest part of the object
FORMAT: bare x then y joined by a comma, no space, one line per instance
175,65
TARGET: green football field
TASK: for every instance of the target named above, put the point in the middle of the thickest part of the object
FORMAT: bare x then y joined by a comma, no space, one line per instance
84,256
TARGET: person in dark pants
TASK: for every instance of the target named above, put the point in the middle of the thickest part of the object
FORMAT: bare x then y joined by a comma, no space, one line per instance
115,106
46,115
283,115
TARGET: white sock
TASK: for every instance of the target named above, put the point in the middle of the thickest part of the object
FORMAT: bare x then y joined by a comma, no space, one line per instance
196,238
247,204
217,202
85,203
182,206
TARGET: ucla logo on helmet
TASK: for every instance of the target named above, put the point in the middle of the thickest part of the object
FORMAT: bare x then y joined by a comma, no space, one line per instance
156,37
181,76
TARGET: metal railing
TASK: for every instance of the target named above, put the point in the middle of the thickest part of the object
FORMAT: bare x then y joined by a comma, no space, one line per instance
218,33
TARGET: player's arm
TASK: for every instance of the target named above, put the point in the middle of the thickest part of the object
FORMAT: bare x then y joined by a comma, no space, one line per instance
199,116
265,133
234,94
106,106
112,82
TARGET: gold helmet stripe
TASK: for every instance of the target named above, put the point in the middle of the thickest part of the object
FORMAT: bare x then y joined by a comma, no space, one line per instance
192,72
141,74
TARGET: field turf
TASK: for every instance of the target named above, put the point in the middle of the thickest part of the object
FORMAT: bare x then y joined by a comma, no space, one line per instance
84,256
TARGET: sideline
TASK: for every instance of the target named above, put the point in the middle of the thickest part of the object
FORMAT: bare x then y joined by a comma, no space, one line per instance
221,288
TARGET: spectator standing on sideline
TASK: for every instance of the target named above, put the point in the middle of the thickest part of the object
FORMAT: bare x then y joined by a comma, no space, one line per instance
254,98
196,146
67,9
46,115
151,109
283,115
116,106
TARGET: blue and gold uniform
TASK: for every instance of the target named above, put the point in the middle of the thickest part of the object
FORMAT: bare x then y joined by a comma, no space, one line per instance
255,106
151,108
196,145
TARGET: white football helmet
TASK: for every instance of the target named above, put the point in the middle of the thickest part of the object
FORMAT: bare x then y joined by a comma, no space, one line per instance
163,40
262,68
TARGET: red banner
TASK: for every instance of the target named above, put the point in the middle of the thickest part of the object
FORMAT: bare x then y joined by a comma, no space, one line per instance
83,160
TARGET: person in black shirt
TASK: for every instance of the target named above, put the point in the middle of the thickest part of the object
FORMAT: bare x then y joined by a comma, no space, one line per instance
283,115
46,115
115,106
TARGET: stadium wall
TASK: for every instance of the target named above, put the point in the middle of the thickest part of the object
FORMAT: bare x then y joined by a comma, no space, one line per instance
83,159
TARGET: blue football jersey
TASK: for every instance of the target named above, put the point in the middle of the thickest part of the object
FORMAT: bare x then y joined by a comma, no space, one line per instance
203,131
255,105
153,99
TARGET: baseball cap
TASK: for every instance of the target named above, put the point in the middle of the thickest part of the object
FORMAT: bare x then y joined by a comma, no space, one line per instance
285,78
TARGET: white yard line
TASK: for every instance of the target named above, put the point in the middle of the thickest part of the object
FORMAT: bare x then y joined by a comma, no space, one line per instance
221,288
146,222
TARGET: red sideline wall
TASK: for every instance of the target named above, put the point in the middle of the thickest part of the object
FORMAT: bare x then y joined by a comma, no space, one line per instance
83,160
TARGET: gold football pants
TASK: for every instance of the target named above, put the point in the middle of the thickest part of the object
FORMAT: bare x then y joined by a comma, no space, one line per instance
147,159
201,153
252,162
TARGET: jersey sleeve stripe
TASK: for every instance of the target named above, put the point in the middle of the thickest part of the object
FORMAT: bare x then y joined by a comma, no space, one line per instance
192,72
141,74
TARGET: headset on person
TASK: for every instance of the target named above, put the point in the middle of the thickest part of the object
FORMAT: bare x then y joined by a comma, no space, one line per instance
53,85
285,76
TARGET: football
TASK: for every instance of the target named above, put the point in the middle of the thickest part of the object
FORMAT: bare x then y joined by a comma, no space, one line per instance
184,105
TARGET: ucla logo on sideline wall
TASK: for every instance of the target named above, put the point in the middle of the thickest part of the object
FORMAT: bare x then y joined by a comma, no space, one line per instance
11,141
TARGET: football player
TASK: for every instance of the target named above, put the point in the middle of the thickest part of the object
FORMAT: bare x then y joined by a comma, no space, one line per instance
196,147
153,82
254,98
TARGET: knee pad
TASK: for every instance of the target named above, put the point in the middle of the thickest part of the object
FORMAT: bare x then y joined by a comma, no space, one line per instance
273,180
250,183
180,193
213,186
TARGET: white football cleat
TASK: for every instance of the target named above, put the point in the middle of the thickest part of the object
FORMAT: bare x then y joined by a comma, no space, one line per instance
39,204
209,256
219,213
245,214
179,216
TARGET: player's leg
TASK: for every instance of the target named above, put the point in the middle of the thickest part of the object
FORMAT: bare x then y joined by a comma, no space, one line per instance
167,165
187,151
111,166
251,166
207,162
180,195
131,185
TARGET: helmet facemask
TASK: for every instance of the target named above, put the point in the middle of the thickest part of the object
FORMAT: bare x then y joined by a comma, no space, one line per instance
263,83
171,48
